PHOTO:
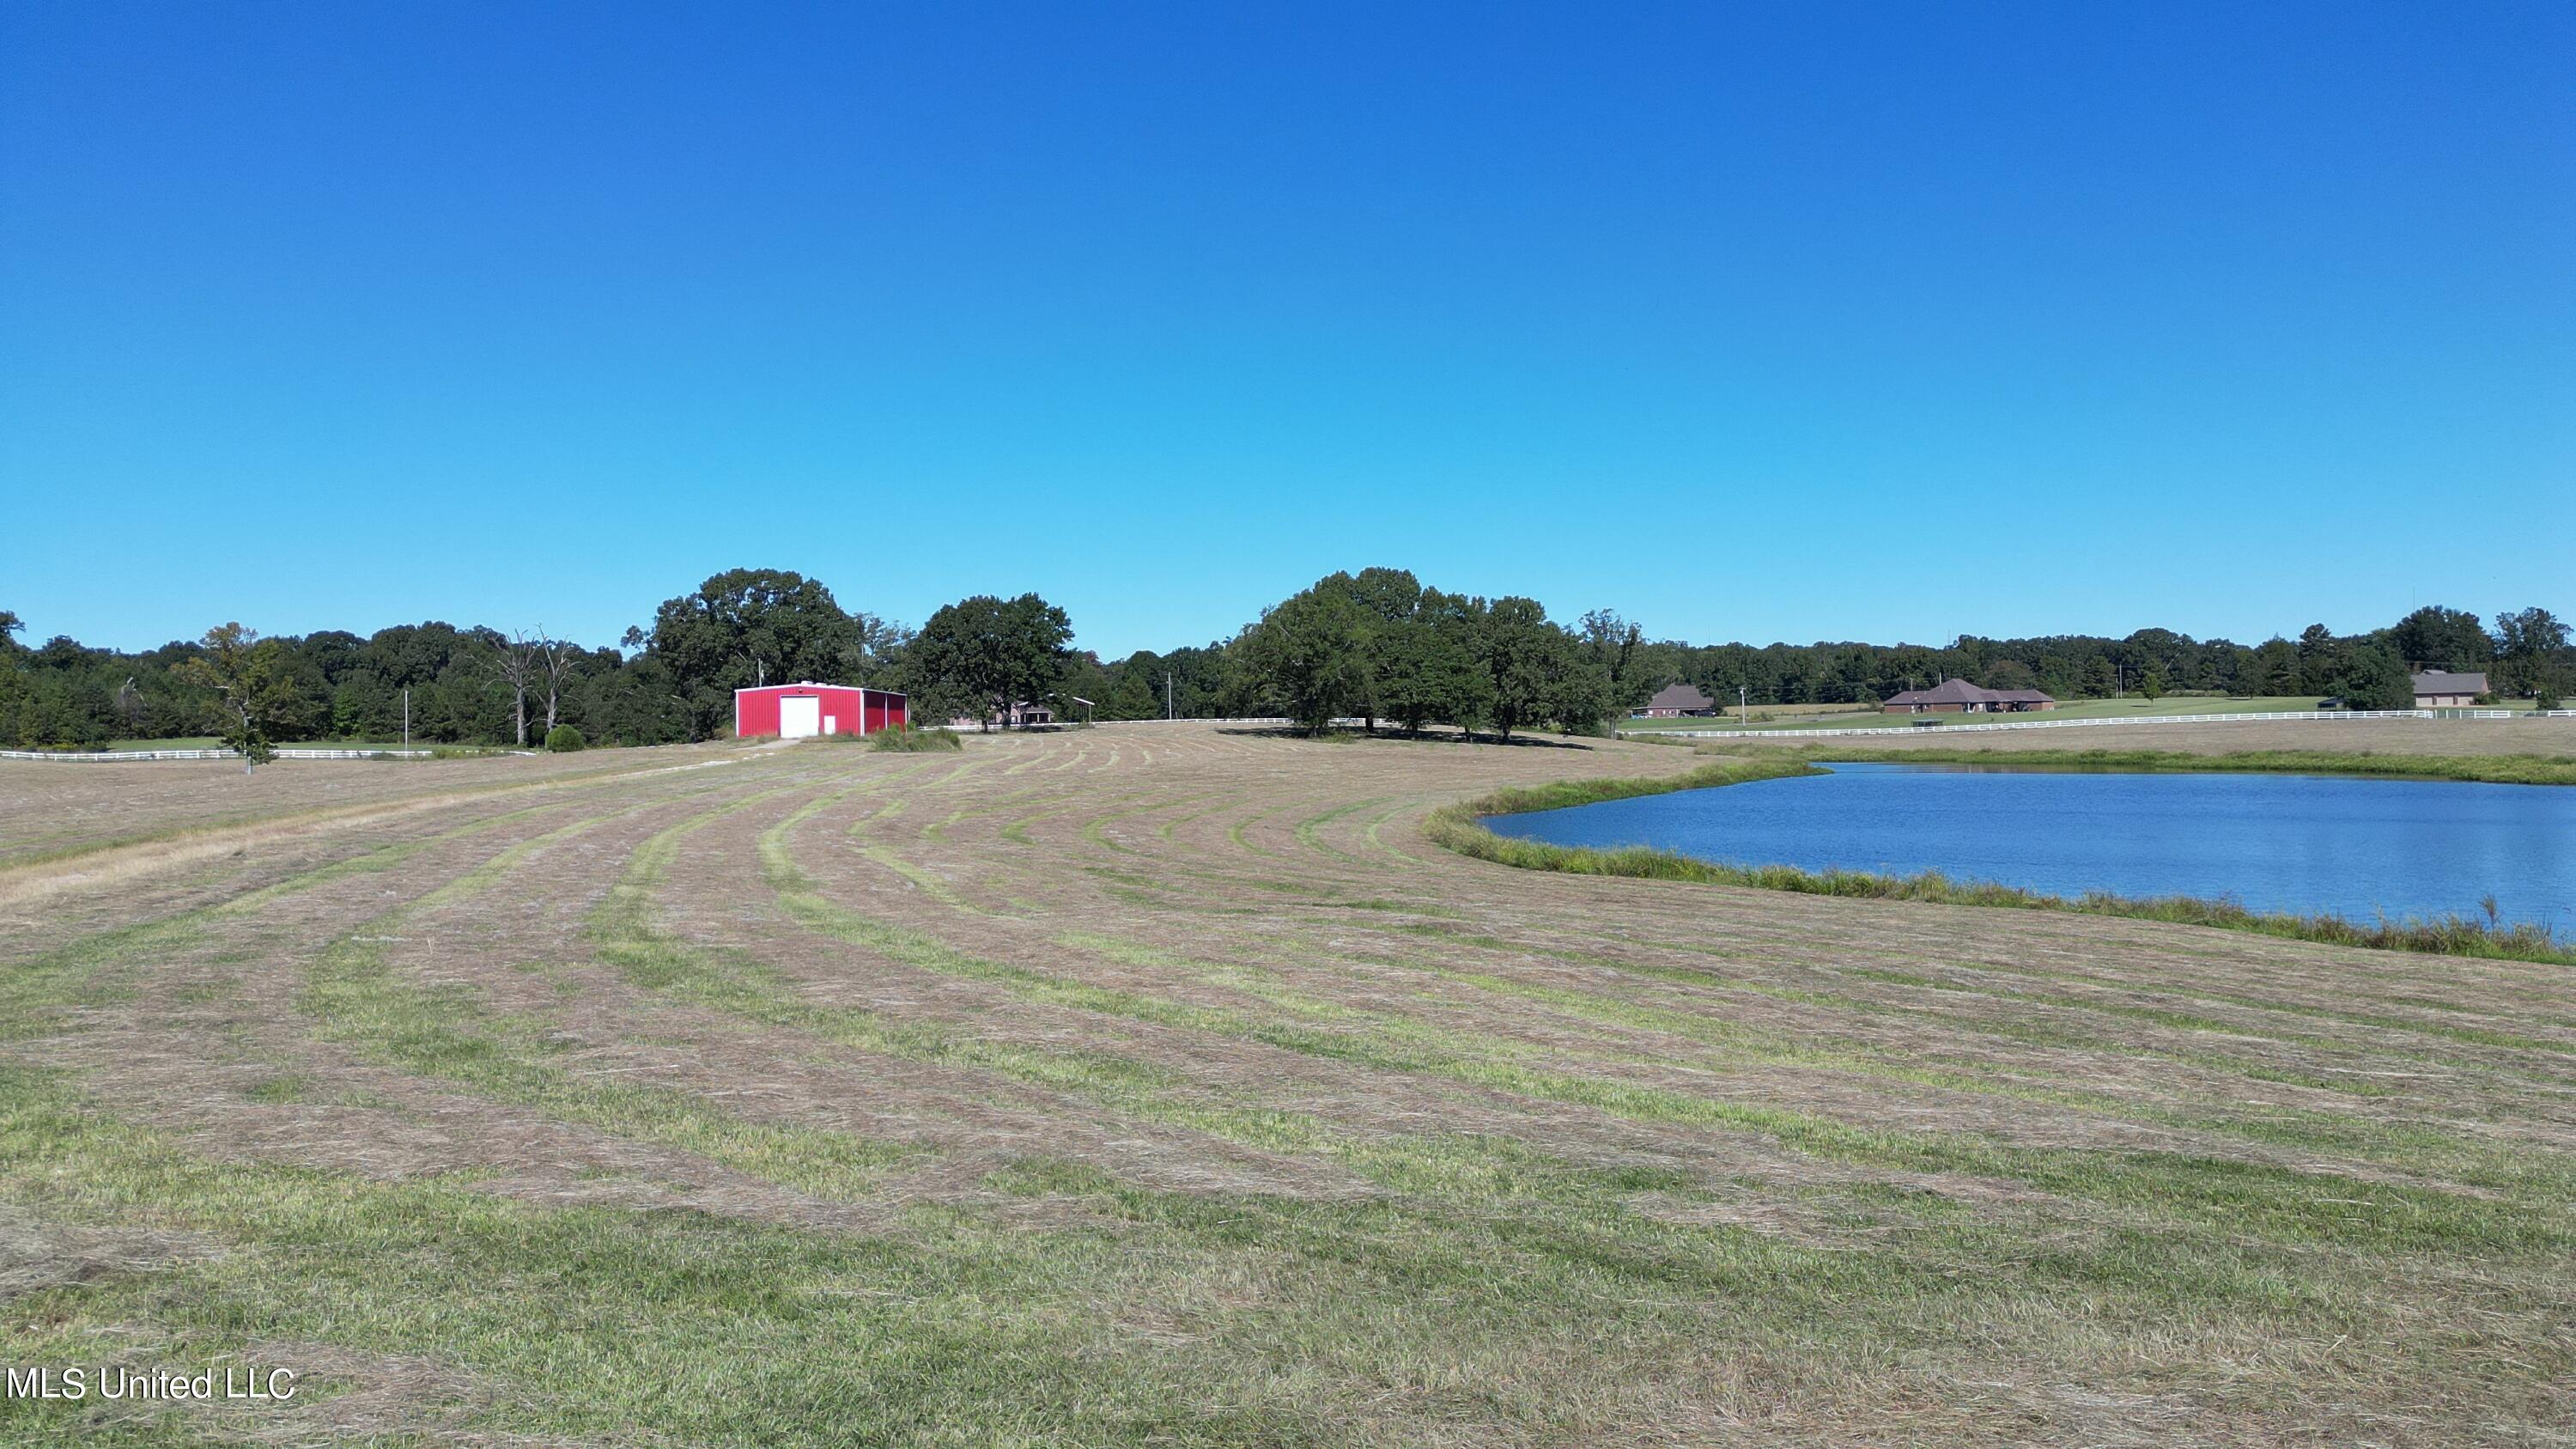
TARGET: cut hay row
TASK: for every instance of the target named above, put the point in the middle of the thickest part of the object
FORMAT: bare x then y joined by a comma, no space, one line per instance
1104,1087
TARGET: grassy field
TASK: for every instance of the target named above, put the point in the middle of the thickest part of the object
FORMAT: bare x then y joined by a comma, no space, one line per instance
1166,1084
210,742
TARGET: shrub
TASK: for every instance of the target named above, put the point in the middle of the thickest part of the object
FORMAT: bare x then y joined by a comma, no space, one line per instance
563,738
908,740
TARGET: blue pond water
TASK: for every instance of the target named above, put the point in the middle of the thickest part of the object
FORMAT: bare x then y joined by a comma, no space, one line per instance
2355,847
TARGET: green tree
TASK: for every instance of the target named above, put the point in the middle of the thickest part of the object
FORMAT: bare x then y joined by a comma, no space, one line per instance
2151,683
2531,645
254,689
2010,674
2372,677
18,708
2164,650
2320,659
1388,601
1431,668
1614,647
746,627
2434,637
1310,652
1131,695
1532,669
1579,701
986,656
2276,668
2101,681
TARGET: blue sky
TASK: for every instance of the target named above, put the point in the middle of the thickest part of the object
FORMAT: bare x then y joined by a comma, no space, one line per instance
1754,321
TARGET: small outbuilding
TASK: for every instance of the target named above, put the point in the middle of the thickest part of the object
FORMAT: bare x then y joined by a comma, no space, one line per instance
800,711
2440,689
1023,714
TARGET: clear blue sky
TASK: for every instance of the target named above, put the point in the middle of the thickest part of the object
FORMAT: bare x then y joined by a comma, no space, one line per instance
1758,320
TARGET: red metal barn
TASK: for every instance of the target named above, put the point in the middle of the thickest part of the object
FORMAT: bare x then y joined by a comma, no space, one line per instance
795,711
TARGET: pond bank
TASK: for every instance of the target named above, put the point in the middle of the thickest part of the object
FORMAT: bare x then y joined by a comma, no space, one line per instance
1461,828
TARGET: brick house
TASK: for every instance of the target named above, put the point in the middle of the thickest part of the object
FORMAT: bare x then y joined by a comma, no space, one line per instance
1958,696
1674,701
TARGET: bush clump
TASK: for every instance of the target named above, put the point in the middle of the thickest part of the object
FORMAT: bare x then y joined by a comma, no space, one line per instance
908,740
563,739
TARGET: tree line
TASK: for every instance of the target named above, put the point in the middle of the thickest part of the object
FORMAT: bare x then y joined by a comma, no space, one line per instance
2524,655
1376,646
435,683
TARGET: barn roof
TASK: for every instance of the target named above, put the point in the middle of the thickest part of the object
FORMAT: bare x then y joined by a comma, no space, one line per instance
1679,696
811,684
2442,681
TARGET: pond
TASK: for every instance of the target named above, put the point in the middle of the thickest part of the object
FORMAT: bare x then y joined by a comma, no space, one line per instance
2358,848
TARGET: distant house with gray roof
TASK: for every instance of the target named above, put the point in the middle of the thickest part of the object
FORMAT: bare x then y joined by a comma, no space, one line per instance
1958,696
1674,701
2441,689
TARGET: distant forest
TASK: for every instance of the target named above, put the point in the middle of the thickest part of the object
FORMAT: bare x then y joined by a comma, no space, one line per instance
1377,645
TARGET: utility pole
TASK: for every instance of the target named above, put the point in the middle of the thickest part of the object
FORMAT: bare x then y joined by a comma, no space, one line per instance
1743,707
1167,694
406,716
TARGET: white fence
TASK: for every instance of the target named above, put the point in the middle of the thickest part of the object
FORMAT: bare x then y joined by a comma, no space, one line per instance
2328,716
122,756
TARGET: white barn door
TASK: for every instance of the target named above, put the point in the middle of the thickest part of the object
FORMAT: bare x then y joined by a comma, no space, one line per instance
799,717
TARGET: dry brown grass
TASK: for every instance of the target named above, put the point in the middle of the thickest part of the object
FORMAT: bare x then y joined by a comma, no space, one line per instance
91,839
54,810
1163,1082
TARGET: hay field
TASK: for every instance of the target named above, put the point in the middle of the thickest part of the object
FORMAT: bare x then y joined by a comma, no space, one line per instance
1161,1084
59,808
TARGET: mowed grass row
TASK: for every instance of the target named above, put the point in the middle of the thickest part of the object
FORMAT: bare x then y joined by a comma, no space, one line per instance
1306,1022
1537,1282
1275,1015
